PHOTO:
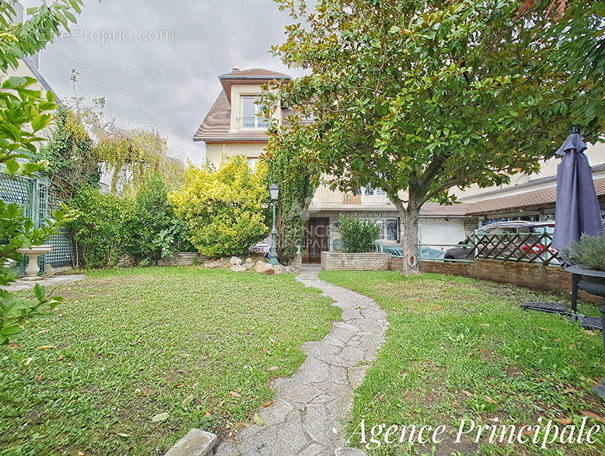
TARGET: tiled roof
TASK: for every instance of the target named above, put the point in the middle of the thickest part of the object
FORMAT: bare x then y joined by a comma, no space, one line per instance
217,124
438,210
259,73
532,199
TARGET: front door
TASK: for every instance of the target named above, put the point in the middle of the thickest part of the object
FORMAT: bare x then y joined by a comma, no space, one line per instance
315,240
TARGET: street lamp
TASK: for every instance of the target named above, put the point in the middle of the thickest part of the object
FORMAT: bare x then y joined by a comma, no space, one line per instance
274,192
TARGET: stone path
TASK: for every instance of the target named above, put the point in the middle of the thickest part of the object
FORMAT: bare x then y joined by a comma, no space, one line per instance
25,284
305,418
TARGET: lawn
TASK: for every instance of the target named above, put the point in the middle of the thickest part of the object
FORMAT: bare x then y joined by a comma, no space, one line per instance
186,346
463,349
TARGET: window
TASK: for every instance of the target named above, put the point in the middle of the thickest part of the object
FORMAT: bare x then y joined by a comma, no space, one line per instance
389,230
251,117
252,164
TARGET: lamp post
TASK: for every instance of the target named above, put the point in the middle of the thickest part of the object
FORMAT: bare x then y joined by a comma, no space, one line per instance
274,192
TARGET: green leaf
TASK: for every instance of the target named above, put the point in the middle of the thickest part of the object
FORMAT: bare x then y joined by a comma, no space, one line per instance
39,292
12,167
10,330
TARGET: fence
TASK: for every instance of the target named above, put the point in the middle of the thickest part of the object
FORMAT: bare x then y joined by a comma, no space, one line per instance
535,248
37,201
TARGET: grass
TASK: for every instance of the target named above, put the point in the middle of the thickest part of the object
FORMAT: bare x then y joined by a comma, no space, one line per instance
202,346
463,349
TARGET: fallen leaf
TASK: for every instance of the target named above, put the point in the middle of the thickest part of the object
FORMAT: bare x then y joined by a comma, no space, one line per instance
160,417
45,347
490,400
123,435
589,332
27,361
43,331
208,413
557,340
572,347
81,454
188,399
470,354
468,393
272,341
568,390
221,404
259,419
265,349
14,346
60,358
530,433
485,325
267,404
540,327
147,391
593,415
274,368
195,385
40,377
234,394
564,421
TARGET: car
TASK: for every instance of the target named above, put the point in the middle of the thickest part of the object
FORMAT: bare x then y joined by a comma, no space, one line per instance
498,246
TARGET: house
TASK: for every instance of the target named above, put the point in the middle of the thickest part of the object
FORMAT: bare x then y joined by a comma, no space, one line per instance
233,127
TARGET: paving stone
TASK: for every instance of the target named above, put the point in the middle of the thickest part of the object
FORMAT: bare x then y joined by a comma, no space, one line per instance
288,439
195,443
352,355
316,423
313,450
357,374
277,412
312,371
227,449
349,452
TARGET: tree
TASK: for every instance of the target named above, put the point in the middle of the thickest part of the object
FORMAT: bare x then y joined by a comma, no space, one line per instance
225,209
24,112
297,177
130,154
417,97
69,154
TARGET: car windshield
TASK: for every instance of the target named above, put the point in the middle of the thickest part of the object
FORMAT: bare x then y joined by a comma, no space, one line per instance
550,229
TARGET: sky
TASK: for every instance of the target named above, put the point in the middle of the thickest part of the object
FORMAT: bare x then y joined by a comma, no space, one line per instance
157,62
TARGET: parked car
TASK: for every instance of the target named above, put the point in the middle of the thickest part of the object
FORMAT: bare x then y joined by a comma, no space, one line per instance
533,246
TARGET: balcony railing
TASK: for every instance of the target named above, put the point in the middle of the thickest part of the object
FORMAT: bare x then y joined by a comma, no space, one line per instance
252,122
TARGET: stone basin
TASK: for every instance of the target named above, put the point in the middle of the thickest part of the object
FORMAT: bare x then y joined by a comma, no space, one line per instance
33,253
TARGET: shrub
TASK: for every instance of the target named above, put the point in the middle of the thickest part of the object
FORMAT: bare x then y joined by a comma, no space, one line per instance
588,252
225,209
357,235
155,232
99,228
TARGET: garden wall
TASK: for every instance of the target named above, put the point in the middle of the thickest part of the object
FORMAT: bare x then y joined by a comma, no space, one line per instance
333,261
532,276
182,259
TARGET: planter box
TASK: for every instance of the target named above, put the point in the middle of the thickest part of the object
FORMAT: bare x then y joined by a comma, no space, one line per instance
333,261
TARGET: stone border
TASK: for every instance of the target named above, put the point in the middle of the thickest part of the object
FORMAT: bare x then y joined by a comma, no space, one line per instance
308,409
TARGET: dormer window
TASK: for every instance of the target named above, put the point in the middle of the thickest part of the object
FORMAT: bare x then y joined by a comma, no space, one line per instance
251,116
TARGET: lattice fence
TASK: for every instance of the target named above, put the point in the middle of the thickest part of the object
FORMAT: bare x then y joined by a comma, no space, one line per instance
36,198
526,248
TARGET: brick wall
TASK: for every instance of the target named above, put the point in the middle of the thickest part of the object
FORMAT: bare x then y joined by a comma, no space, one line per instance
332,261
182,259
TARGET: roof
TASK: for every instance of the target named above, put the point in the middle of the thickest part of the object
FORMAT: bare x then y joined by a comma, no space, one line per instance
546,197
217,124
28,60
254,73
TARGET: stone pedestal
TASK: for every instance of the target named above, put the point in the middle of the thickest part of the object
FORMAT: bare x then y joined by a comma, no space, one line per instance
33,253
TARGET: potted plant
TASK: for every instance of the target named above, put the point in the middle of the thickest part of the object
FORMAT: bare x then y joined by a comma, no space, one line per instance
587,258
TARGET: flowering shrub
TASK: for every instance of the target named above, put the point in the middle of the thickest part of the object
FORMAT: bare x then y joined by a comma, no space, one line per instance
225,209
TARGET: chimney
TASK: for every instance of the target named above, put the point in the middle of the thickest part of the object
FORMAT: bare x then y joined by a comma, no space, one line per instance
234,69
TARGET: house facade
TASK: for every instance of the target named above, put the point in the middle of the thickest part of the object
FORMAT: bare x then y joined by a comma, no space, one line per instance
233,127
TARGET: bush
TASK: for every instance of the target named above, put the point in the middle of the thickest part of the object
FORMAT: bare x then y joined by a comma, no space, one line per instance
588,252
100,227
225,210
155,230
357,235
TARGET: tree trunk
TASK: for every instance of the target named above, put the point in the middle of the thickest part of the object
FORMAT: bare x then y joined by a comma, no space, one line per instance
409,237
